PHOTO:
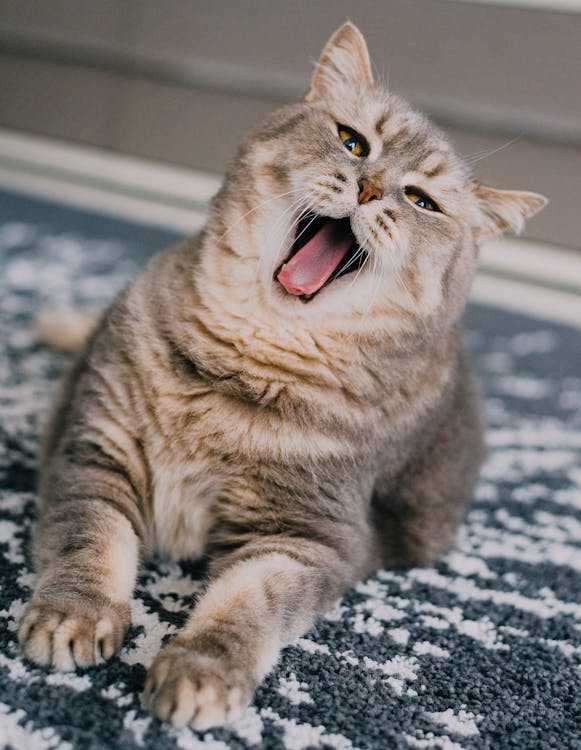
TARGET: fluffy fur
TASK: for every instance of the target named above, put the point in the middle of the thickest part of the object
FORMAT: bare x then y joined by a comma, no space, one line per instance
299,444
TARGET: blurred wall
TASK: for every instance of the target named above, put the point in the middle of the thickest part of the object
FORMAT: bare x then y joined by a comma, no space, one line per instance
183,80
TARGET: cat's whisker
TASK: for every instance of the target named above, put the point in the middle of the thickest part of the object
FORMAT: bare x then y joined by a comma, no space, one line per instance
378,273
479,155
359,252
387,258
395,270
293,207
289,210
256,208
273,259
373,271
376,277
308,208
379,270
280,220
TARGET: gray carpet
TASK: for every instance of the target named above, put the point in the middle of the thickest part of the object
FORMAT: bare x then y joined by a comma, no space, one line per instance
480,651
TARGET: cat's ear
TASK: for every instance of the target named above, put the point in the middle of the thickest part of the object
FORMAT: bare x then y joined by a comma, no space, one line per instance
343,62
505,209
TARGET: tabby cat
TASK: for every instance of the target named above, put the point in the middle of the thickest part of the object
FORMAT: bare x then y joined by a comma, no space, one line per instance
286,393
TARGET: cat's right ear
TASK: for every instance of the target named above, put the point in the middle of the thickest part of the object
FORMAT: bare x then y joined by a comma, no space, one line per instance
343,63
504,209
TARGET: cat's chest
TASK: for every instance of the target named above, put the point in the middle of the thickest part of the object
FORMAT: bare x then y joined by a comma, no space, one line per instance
183,494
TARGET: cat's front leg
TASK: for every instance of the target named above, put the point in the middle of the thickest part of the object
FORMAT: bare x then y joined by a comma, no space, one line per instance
270,593
87,554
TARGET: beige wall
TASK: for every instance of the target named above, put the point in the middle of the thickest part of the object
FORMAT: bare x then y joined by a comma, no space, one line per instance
182,80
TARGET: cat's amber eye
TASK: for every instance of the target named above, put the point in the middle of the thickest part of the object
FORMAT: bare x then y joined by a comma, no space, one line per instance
353,141
421,200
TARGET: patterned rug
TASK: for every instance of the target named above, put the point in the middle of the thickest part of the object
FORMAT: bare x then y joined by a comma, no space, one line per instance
480,651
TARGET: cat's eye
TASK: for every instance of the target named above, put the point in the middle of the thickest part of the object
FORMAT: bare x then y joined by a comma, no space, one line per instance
353,141
421,200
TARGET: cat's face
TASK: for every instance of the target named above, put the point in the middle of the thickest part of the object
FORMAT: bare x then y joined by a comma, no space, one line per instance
359,204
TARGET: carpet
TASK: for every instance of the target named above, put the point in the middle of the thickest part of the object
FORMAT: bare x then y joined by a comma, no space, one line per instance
481,650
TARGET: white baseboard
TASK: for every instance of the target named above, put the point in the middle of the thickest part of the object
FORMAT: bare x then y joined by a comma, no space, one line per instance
528,299
532,278
86,177
103,200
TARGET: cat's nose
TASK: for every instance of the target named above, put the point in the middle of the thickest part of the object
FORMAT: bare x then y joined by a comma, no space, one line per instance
368,191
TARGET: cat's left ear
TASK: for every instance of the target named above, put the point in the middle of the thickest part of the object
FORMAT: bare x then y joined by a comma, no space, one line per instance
505,209
343,62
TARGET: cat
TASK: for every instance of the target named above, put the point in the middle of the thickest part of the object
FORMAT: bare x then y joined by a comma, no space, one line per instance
286,393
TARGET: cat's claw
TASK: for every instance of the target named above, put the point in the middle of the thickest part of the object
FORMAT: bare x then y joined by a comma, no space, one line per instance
71,636
188,688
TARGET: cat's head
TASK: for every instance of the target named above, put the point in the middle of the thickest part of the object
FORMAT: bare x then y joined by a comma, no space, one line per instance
350,202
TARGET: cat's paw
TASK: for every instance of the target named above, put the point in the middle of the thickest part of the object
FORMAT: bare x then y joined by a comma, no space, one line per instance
188,688
74,634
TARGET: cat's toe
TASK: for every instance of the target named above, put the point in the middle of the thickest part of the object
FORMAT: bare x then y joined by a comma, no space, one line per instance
67,638
187,688
36,633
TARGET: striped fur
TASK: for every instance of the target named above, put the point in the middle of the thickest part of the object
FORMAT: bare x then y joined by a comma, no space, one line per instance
299,446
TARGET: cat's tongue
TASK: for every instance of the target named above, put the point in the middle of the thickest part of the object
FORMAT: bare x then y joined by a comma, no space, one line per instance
315,262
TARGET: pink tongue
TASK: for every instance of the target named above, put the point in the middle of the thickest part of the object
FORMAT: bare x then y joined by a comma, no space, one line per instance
312,266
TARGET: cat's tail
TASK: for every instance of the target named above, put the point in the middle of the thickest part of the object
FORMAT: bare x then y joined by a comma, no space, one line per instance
66,328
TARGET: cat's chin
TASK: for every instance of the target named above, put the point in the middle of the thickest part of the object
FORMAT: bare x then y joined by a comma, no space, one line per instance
324,250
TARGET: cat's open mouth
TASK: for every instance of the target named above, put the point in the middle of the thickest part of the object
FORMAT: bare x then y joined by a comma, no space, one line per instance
323,250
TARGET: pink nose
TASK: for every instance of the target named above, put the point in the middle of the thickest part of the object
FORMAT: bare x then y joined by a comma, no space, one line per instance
368,191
